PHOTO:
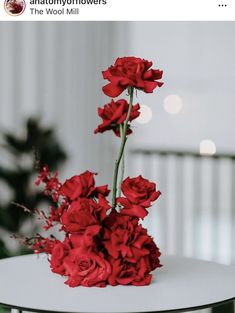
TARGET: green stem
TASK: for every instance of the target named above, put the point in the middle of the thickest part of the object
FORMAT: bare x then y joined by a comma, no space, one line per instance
122,165
121,150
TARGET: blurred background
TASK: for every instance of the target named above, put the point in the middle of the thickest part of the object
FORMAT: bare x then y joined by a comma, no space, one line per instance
50,88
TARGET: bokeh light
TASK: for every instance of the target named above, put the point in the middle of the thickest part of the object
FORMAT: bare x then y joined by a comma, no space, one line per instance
207,147
145,114
173,104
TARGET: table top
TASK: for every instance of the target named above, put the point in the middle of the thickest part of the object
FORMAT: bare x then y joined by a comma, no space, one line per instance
26,282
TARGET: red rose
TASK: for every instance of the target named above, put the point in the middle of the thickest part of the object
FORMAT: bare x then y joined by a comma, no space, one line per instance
102,207
80,215
87,239
132,209
114,114
128,273
139,190
59,252
86,268
153,257
123,237
83,213
82,185
131,72
139,193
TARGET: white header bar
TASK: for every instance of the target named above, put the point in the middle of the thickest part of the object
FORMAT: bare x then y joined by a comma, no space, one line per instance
117,10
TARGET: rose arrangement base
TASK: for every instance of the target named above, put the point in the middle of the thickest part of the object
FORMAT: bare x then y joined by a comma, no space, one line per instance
104,242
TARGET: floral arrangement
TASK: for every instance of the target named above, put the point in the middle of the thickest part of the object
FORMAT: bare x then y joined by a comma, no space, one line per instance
104,243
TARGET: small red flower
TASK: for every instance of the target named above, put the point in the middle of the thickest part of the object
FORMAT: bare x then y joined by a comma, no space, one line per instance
114,114
40,244
131,72
52,184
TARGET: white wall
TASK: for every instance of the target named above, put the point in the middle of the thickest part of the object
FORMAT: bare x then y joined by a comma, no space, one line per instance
54,70
198,63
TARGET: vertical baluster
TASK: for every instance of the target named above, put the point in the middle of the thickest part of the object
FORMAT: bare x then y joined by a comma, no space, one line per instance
143,167
206,213
196,206
232,247
159,222
224,227
215,201
179,214
188,205
150,172
163,202
171,204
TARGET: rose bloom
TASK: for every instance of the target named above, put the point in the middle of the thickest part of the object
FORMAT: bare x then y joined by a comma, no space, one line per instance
131,209
86,268
59,252
82,185
114,114
139,193
152,259
124,237
129,273
83,213
131,72
86,240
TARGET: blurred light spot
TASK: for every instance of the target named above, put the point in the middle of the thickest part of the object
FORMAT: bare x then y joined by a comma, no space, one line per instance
145,114
207,147
173,104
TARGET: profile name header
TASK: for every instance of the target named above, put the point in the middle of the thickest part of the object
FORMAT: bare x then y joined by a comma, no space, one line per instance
68,2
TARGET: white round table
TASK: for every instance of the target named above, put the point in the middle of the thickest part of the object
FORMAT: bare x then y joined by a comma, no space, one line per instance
182,284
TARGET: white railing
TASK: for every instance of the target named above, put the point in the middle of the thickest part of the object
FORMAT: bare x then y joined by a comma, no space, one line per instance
195,216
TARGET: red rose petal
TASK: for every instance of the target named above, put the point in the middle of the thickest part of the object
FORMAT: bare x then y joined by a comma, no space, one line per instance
112,91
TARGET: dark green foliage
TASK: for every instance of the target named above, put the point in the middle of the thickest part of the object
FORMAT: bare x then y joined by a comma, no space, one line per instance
39,143
4,310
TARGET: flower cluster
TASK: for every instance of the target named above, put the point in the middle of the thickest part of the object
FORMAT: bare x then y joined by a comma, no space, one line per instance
104,243
101,245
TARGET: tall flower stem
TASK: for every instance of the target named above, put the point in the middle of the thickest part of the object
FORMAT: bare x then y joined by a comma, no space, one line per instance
121,150
122,165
